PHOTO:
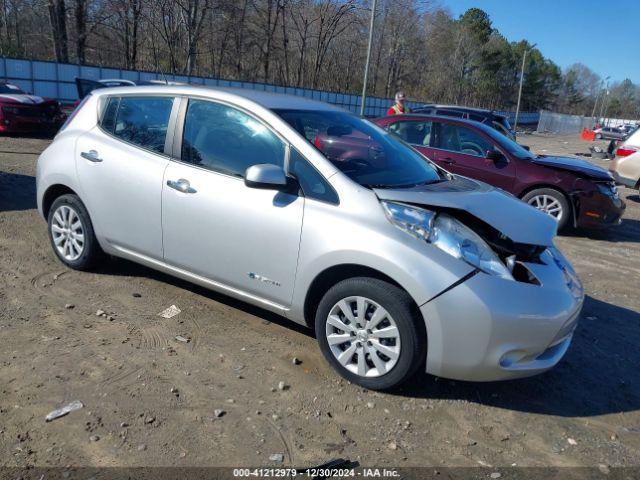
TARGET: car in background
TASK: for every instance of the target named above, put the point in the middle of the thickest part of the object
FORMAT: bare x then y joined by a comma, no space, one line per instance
85,86
625,166
610,133
21,112
573,191
396,264
628,129
490,118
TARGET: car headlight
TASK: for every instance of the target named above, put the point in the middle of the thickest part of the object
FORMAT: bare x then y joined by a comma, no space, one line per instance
448,234
608,189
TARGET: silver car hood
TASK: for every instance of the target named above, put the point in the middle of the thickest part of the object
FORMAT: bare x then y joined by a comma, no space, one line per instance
504,212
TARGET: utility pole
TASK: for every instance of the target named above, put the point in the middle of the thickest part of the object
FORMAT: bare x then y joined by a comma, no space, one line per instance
595,104
366,67
605,104
524,59
604,101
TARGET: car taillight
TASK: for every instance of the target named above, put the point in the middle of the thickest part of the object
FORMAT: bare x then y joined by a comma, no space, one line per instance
317,143
625,151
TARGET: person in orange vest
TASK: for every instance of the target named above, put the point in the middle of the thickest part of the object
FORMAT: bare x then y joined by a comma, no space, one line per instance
399,107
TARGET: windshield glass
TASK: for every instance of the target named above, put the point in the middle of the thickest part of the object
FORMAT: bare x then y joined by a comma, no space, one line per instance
8,88
506,143
362,151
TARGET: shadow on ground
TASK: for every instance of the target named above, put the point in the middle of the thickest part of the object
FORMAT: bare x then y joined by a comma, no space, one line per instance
17,192
599,375
126,268
627,231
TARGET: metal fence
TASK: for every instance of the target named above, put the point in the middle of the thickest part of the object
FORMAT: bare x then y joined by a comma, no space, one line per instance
551,122
561,123
57,80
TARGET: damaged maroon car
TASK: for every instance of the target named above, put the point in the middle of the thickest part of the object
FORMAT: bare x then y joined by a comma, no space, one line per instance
573,191
24,113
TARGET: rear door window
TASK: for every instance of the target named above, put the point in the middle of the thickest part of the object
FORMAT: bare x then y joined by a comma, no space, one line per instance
143,121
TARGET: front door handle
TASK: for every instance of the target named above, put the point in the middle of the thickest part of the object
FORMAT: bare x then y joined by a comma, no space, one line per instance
182,185
91,155
449,161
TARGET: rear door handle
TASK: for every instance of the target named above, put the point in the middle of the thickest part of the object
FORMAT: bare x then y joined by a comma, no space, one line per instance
182,185
91,155
449,161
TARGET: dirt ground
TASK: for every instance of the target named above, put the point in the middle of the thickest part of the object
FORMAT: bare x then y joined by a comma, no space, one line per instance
150,399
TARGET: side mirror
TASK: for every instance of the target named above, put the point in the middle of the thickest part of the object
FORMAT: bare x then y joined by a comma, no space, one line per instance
495,155
265,176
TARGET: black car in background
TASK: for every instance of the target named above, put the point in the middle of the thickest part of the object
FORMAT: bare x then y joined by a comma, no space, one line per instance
490,118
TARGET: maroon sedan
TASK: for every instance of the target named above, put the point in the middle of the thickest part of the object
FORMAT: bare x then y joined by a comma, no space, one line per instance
21,112
575,192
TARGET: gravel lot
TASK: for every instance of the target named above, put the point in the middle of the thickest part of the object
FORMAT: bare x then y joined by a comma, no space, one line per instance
152,399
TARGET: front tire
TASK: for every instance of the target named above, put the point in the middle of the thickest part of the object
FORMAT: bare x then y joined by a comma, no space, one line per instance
551,202
71,233
371,332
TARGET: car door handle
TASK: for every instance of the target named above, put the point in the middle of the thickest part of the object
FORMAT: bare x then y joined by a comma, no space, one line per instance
91,155
182,185
449,161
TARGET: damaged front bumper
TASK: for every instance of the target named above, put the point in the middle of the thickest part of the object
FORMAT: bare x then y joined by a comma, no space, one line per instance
488,328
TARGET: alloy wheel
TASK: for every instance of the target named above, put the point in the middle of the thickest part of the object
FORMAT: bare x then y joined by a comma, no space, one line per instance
363,336
67,232
547,204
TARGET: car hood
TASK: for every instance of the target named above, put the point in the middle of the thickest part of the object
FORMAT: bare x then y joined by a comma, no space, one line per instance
581,167
21,98
504,212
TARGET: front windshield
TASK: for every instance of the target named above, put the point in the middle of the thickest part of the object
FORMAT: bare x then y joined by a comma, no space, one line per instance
362,151
506,143
8,88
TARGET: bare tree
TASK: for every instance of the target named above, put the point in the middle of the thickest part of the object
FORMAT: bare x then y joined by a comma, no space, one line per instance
58,23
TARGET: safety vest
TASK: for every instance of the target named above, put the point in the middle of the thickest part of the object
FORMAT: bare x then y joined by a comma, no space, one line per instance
397,110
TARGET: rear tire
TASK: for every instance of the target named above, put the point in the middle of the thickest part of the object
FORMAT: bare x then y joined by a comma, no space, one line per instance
71,233
382,348
551,202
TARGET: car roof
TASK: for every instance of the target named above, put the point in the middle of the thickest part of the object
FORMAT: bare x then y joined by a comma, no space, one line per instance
428,116
266,99
458,107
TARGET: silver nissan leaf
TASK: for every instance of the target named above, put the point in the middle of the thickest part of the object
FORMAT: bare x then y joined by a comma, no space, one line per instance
311,212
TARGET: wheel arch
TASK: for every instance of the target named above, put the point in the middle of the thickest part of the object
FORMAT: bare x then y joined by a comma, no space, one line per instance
51,193
337,273
539,186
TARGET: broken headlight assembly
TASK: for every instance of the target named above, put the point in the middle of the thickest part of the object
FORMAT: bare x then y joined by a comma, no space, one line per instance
448,234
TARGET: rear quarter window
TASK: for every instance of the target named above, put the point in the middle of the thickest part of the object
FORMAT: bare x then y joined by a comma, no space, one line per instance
108,120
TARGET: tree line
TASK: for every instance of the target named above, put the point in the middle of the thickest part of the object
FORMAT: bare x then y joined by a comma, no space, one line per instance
418,47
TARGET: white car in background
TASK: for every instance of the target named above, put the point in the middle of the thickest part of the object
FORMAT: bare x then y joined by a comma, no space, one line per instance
625,167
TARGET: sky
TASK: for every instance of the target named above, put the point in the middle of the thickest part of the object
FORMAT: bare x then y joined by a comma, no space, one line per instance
601,34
